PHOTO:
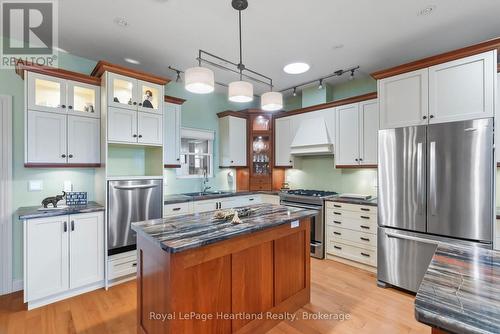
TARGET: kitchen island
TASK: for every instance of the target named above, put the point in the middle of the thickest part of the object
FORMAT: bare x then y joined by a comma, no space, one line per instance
197,274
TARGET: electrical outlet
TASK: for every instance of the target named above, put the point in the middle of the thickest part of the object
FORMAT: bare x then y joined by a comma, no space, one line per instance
35,185
67,186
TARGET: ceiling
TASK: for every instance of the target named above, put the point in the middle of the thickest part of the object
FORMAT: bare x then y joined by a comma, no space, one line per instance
374,34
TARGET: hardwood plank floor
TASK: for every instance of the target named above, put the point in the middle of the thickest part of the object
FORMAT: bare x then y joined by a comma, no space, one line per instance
335,288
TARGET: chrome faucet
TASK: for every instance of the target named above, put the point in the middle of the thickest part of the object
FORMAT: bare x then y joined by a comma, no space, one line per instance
204,182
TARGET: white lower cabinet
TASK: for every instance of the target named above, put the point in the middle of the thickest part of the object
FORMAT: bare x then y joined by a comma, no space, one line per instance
63,257
351,232
177,209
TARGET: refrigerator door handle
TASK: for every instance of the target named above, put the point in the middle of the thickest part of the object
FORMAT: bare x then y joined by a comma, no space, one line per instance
432,177
411,238
420,180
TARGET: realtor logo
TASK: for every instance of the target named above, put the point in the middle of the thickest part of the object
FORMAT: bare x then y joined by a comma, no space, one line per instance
29,32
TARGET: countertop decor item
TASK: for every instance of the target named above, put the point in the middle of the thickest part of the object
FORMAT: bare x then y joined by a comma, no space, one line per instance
76,198
53,200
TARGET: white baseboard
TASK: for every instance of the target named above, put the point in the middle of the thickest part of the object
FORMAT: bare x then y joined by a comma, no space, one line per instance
17,285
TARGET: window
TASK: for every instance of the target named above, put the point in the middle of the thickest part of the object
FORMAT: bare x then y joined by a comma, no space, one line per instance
196,153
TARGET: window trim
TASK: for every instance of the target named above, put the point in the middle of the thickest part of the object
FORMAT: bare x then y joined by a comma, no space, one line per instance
201,134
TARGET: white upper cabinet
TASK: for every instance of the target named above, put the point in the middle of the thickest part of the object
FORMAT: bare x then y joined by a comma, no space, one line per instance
83,140
122,125
403,99
233,141
368,131
347,135
172,140
86,251
46,93
149,128
122,91
130,93
458,90
46,137
497,120
462,89
283,132
83,99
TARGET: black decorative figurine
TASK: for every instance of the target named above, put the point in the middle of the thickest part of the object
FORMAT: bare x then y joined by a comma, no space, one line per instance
53,200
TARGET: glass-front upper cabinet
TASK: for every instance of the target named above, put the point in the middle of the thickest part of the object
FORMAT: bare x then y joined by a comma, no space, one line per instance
83,99
261,155
46,93
149,97
122,91
261,123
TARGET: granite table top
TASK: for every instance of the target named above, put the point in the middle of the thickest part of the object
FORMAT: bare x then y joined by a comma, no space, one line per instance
30,212
460,292
180,233
182,198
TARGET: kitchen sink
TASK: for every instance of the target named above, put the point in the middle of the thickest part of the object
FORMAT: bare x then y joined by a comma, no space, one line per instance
206,193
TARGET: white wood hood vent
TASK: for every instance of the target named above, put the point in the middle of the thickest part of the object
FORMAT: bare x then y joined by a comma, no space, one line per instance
312,138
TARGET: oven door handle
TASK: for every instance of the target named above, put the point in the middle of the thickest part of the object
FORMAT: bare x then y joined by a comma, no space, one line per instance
300,206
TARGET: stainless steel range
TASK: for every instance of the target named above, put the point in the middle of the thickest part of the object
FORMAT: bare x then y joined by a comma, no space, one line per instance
313,200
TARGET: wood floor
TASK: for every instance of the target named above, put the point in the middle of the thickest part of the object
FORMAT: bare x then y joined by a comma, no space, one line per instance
335,289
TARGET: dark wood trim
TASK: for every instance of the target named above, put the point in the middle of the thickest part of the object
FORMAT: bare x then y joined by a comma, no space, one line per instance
173,99
282,167
233,166
355,99
498,164
104,66
239,114
438,59
171,166
22,66
356,166
498,68
51,165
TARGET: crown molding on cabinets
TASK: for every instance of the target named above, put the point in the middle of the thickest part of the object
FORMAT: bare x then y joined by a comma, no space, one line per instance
355,99
22,66
232,113
174,100
104,66
438,59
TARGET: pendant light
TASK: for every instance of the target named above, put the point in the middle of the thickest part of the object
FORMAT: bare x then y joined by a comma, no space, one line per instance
271,101
240,91
199,80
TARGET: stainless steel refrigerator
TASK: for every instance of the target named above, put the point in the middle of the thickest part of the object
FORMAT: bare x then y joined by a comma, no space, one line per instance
435,183
131,201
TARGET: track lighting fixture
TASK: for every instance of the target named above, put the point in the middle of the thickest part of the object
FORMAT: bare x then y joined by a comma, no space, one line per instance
320,84
178,78
294,91
352,75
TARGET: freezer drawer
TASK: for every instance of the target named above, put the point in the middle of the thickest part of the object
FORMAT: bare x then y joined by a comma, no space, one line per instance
403,257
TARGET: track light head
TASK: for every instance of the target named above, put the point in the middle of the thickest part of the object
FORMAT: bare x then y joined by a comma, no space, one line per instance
320,84
352,74
178,78
294,91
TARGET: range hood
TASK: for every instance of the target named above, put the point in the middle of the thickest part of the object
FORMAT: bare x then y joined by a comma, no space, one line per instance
312,138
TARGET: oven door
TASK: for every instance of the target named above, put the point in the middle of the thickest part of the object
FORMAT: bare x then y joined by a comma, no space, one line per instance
317,242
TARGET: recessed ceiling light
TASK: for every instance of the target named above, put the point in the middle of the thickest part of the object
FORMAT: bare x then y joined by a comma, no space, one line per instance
132,61
296,68
121,21
427,10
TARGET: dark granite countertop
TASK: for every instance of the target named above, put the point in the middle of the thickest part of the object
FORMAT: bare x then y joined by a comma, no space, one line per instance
460,292
371,202
182,198
180,233
30,212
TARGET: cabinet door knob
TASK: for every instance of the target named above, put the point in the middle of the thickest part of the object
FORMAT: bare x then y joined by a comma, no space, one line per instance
72,225
65,227
70,107
356,159
424,117
140,104
70,156
63,106
178,159
232,161
140,136
63,155
360,159
134,103
431,116
135,136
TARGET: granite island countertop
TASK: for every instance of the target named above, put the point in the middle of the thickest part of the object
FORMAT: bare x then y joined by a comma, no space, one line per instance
31,212
182,198
460,291
180,233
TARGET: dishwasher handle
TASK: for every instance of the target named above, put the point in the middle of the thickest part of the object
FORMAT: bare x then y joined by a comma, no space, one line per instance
140,186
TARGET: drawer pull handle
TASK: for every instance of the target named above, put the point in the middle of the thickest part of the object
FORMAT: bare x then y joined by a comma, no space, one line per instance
337,247
176,209
251,199
134,264
337,206
365,227
365,209
337,233
366,255
337,222
364,239
337,213
365,217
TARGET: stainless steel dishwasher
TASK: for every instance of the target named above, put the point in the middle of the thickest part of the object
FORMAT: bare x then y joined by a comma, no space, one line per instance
131,201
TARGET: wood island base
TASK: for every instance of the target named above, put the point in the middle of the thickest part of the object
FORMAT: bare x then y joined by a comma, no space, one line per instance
247,284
